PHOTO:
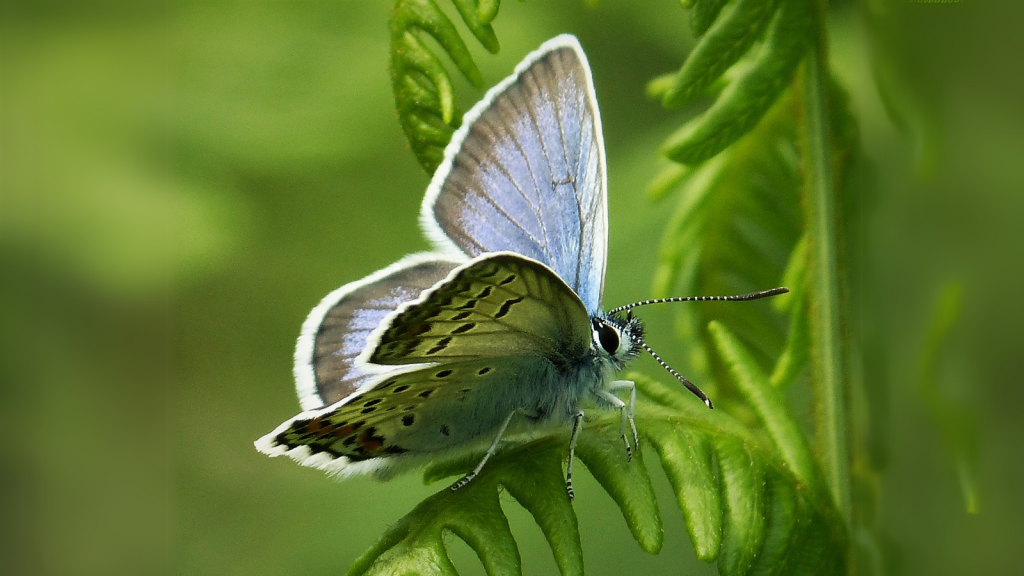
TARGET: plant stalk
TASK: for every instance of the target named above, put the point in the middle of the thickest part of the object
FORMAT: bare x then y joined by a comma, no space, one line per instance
826,309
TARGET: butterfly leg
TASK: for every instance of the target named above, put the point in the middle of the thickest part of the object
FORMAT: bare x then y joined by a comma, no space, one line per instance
621,407
619,384
576,426
487,455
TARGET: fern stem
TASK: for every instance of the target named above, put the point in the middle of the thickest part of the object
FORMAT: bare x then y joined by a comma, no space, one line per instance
826,312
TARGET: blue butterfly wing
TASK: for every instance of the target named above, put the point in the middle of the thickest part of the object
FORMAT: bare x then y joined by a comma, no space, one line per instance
526,172
327,368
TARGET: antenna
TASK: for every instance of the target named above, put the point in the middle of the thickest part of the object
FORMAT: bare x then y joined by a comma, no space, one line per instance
628,308
736,298
689,385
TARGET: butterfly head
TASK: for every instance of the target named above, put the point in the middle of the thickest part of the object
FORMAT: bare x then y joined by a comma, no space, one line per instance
617,339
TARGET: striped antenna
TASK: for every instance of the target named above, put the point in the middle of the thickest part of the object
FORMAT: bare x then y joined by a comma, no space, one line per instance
736,298
689,385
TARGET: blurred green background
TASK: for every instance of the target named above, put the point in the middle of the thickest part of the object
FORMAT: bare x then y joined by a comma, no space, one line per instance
181,182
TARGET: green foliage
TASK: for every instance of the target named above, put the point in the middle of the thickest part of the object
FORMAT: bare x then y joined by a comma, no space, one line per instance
956,420
750,177
751,503
754,85
703,14
424,96
734,33
734,229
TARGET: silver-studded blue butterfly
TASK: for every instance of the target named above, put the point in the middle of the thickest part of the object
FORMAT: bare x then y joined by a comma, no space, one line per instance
500,328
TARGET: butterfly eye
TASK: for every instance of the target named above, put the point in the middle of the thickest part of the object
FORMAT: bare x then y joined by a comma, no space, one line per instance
609,338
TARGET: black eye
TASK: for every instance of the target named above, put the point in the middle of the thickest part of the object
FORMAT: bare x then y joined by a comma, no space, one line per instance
609,338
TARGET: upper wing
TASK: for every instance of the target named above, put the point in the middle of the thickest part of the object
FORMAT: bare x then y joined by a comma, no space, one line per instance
526,172
337,330
497,305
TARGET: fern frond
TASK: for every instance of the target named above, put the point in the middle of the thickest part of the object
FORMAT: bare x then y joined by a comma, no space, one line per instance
746,99
531,473
793,359
752,516
742,24
768,403
704,13
735,228
744,505
424,96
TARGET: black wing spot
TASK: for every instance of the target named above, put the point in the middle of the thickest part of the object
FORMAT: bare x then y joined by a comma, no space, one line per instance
464,328
401,388
358,425
443,374
386,384
441,345
484,293
373,402
483,371
367,410
510,278
426,393
468,305
462,315
464,390
349,441
507,306
408,408
408,419
446,430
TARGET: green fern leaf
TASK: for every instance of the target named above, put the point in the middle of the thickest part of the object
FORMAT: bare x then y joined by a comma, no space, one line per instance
603,453
754,514
704,13
743,23
532,474
688,462
793,360
734,229
769,405
424,96
744,102
487,10
743,506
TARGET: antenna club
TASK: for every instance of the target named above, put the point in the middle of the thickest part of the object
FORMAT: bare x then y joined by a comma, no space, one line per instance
689,385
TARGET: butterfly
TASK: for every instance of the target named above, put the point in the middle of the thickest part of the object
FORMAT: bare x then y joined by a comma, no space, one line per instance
499,329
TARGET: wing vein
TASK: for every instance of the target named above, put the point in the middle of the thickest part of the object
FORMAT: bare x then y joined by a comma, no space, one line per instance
501,211
508,174
543,145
